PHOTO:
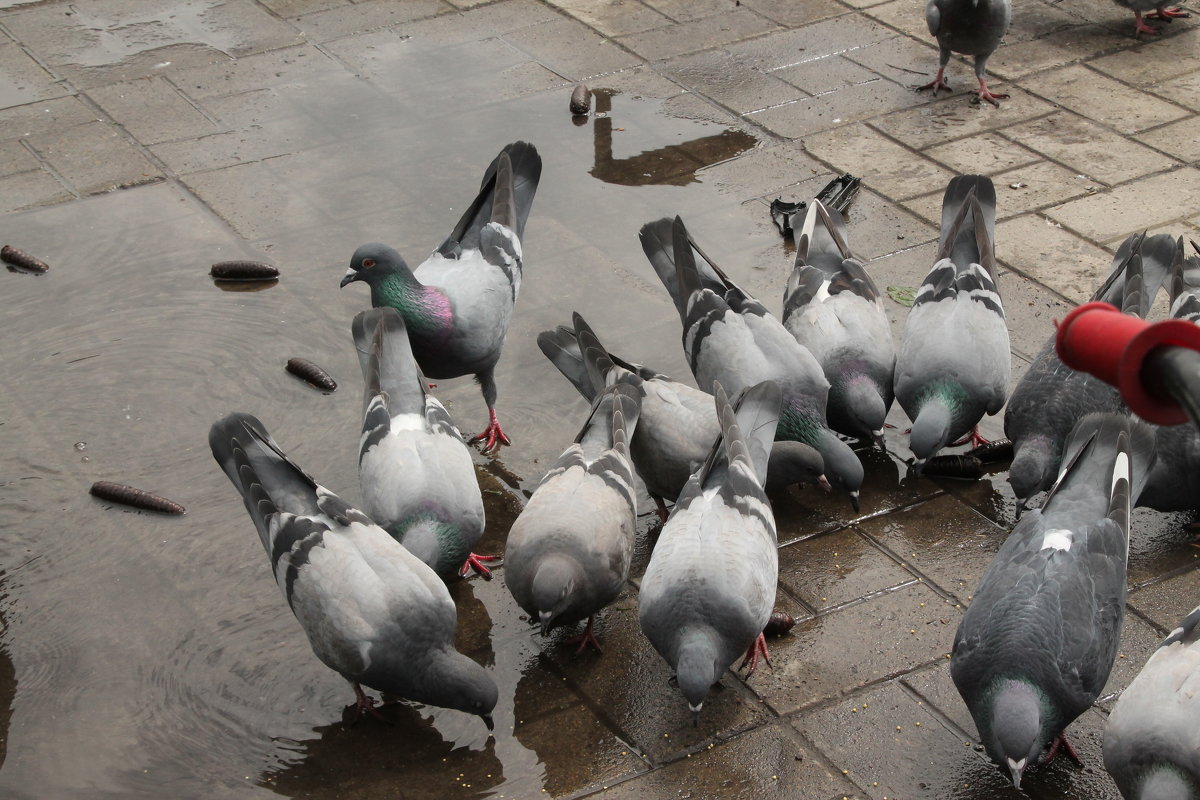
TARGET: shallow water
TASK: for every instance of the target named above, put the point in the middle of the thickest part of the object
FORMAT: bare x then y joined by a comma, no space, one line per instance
149,656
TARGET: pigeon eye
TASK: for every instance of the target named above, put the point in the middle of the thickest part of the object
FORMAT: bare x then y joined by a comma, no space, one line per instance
368,263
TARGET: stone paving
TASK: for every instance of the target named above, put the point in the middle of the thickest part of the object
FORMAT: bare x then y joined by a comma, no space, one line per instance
284,122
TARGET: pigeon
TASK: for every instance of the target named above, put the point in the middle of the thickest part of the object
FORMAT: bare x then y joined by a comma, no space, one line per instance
953,364
458,303
417,477
569,550
708,590
834,309
731,338
678,423
373,612
1159,10
1175,479
970,27
1040,636
1051,397
1152,741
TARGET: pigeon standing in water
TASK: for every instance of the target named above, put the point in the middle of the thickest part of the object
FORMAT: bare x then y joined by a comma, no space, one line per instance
731,338
953,364
568,552
1158,9
834,309
373,612
970,27
457,304
710,584
678,423
1051,397
1174,483
1152,741
417,477
1040,636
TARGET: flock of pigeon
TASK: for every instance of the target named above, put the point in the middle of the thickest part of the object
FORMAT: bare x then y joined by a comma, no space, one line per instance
1035,646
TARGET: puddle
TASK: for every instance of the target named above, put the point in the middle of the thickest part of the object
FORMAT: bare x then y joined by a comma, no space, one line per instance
111,37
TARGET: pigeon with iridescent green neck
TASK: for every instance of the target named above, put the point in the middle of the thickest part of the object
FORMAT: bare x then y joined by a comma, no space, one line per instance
953,364
416,472
731,338
458,303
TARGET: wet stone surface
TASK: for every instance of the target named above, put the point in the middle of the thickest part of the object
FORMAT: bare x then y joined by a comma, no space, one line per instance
148,657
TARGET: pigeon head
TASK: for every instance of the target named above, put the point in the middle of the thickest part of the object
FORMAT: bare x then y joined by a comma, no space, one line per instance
930,431
697,666
1032,468
1016,738
865,407
842,467
794,462
455,681
553,589
371,263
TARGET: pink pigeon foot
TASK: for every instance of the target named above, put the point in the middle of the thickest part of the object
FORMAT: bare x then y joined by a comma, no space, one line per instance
476,562
1142,27
759,648
662,510
973,438
491,436
985,94
1168,14
937,83
588,637
1060,743
365,704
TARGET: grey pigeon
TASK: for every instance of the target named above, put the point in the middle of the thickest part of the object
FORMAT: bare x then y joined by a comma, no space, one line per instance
1051,397
953,364
416,473
710,584
373,612
1174,483
1152,739
834,309
678,423
569,550
1040,636
973,28
1159,9
459,301
731,338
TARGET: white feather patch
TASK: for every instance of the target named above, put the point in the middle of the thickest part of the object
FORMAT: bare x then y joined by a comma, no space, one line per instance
1058,539
1120,470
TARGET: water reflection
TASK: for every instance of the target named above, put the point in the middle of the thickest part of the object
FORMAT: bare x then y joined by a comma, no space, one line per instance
8,678
670,165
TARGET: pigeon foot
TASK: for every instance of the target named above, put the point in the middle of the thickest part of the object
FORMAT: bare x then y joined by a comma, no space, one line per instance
365,704
491,436
1060,742
987,95
937,83
973,438
1168,14
759,648
662,510
476,562
587,638
1142,27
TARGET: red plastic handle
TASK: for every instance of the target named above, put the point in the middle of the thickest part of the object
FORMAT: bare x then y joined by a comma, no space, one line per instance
1098,339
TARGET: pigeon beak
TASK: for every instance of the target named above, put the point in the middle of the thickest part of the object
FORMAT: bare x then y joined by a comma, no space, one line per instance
854,502
696,714
877,436
1016,768
823,482
350,277
544,618
487,720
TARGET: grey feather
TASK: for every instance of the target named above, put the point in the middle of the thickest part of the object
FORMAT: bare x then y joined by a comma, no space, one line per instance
970,27
371,610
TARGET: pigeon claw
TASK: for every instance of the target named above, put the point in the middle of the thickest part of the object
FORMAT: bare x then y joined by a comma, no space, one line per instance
984,94
1060,743
491,436
587,639
476,562
757,649
974,438
937,83
365,704
1142,27
1168,13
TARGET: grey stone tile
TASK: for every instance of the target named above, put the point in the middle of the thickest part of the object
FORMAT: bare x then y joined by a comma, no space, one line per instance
985,154
719,76
1043,250
956,116
22,190
1153,62
793,15
883,165
1087,148
1038,185
1184,90
852,102
152,110
94,157
23,80
1057,49
837,567
477,24
48,116
1107,101
765,170
334,23
699,34
687,10
15,158
1166,602
1180,140
613,17
899,59
571,50
848,32
289,66
1031,312
1138,205
250,198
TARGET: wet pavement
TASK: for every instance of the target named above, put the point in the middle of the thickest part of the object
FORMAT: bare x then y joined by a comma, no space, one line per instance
147,656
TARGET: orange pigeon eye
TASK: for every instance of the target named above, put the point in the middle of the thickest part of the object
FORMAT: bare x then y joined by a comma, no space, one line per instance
368,263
